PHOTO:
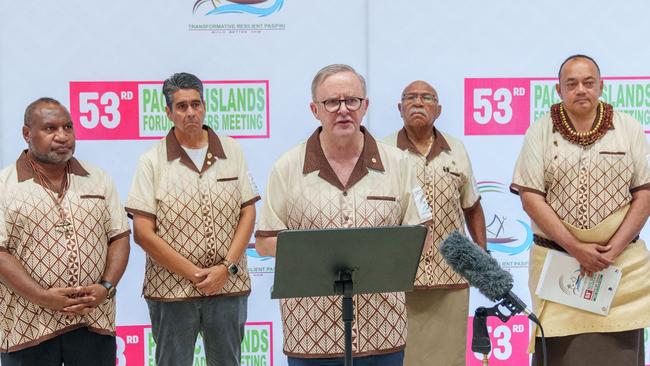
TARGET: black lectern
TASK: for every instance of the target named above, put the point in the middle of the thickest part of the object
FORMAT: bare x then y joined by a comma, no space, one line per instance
345,262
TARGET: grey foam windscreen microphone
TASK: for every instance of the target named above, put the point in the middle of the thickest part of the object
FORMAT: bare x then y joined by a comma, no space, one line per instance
476,266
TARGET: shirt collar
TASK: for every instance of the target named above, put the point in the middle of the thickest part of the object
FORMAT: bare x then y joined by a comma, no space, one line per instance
315,160
439,143
175,150
25,172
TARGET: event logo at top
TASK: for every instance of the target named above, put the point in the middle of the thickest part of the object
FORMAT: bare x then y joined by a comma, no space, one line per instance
237,9
507,106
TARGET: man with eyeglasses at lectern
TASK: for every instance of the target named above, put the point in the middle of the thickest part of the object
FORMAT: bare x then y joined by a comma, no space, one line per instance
438,307
341,177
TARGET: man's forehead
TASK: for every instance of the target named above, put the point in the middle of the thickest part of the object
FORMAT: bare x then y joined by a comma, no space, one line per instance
49,109
419,86
579,62
340,80
186,95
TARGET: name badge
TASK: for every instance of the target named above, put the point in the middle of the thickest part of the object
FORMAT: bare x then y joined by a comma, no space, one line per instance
424,210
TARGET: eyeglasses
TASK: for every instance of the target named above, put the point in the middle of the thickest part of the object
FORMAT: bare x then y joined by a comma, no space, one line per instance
425,98
351,103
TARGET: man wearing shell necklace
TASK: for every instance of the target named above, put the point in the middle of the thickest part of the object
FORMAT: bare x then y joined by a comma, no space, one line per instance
584,180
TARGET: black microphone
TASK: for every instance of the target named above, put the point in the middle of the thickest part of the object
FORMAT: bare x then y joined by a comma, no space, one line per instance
482,272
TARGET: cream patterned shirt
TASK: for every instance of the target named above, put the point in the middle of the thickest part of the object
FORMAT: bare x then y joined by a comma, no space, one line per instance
55,255
304,193
196,210
584,184
446,176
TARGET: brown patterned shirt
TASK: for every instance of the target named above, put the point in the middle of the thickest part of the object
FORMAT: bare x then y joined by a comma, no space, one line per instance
445,174
196,210
55,255
305,193
584,184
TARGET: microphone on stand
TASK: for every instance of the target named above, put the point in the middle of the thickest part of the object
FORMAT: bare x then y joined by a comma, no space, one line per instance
484,273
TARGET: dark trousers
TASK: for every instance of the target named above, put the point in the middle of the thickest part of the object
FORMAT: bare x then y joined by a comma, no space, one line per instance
390,359
176,325
79,347
593,349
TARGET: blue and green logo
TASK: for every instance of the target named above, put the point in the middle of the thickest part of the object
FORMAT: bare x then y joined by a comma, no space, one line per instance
238,7
500,231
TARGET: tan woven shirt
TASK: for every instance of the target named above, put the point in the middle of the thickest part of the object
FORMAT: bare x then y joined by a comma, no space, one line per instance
55,256
196,210
446,176
304,193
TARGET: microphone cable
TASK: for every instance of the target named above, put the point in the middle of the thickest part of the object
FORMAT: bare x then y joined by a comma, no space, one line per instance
534,319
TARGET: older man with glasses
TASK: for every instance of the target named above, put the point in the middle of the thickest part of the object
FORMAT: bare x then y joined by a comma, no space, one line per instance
340,178
437,308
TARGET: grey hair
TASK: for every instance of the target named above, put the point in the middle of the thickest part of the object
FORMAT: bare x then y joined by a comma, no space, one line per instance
32,106
330,70
178,81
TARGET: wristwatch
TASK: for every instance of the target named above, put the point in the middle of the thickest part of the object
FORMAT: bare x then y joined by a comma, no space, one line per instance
109,287
231,267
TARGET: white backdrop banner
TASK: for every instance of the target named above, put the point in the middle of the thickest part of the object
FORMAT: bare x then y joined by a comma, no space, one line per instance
494,66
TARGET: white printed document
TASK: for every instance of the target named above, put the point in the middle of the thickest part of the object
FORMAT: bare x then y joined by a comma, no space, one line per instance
561,282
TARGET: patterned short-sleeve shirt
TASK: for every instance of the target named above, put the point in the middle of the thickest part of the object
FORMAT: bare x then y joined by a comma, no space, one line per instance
196,210
56,255
446,177
305,193
584,184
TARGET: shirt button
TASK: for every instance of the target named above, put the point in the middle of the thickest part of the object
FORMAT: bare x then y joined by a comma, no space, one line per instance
345,193
346,218
209,162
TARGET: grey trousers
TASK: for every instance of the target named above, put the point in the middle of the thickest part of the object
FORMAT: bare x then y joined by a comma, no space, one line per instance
220,320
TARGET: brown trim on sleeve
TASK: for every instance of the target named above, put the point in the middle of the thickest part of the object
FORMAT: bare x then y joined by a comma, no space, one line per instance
267,233
473,206
131,212
250,201
640,188
516,189
119,236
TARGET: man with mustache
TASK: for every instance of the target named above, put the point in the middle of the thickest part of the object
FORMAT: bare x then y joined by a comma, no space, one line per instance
64,245
438,307
583,178
193,206
341,177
